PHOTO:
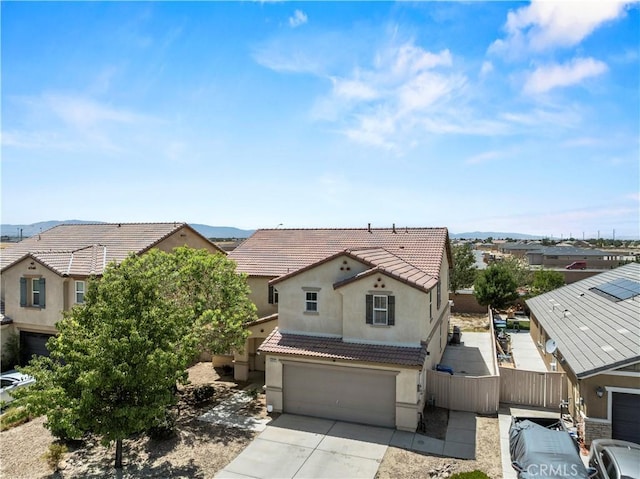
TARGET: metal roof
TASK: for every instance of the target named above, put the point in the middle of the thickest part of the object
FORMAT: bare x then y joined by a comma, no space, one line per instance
593,333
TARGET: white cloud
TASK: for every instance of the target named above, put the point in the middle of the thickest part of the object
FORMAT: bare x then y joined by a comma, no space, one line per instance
484,157
298,18
487,67
548,77
545,25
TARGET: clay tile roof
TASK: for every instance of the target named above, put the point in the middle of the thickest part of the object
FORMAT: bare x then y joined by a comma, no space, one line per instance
335,348
85,249
275,252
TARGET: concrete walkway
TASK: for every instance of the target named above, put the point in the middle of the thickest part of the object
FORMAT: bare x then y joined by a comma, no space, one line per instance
226,413
300,446
472,357
525,352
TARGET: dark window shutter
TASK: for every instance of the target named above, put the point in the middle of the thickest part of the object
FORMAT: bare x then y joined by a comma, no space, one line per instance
43,295
23,292
369,317
391,310
270,294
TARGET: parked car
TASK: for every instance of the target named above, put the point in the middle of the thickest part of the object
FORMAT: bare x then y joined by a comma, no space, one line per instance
577,265
10,381
615,459
543,449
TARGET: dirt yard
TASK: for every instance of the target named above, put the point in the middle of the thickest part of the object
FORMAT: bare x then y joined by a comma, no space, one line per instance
201,449
470,322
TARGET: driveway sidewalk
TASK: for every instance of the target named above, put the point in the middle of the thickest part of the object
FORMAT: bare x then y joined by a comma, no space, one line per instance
306,447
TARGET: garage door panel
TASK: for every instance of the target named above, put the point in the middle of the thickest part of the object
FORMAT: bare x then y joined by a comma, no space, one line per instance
625,419
33,344
347,394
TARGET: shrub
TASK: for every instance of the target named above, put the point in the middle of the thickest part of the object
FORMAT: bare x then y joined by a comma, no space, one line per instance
164,428
54,455
203,393
14,416
11,352
253,393
470,475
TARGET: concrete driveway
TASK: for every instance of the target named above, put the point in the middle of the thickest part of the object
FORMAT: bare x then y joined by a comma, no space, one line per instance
307,447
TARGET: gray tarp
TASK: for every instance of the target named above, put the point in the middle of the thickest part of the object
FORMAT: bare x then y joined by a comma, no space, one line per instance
544,453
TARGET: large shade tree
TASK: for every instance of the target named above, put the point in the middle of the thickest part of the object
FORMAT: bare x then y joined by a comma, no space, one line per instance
545,280
495,286
117,359
464,268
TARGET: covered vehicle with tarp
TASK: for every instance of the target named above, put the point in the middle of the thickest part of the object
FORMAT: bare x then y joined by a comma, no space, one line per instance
544,451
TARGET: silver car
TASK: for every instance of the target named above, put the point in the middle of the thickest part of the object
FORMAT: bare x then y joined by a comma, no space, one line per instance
615,459
10,381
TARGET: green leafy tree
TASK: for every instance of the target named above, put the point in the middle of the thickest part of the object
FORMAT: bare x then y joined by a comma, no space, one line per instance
464,270
545,280
117,359
519,269
495,286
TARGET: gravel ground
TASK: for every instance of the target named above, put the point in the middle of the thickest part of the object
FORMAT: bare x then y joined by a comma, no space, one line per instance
200,449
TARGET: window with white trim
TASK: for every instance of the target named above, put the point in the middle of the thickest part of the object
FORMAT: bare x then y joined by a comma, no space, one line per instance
311,301
35,292
380,311
80,292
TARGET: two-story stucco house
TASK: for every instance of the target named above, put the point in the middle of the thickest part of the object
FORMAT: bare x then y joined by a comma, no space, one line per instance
46,274
361,315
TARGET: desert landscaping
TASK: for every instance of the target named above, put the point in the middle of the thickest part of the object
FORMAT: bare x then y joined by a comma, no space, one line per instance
200,449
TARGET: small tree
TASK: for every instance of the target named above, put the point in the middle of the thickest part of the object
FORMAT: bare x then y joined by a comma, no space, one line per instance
495,286
519,270
116,360
464,270
545,281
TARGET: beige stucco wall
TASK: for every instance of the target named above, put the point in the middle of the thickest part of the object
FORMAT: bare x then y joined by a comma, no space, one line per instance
185,236
30,318
411,312
328,318
259,295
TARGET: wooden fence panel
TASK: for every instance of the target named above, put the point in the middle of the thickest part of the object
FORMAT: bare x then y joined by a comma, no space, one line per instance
531,388
464,393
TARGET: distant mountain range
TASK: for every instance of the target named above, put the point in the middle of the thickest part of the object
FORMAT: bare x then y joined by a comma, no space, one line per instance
35,228
492,234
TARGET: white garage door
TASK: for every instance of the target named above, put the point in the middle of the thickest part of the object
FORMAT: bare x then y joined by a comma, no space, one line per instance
348,394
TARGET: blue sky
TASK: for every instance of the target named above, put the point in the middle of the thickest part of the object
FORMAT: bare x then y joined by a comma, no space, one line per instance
513,117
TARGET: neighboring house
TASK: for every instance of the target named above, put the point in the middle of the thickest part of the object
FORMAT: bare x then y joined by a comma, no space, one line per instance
594,325
46,274
563,256
362,314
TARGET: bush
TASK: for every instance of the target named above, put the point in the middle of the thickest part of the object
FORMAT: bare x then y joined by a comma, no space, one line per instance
253,393
470,475
54,455
11,352
164,428
14,416
203,393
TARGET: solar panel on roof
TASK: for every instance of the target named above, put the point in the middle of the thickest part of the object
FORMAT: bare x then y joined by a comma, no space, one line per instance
620,289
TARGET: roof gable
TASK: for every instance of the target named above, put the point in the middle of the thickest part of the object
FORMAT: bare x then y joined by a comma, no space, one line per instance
277,252
593,333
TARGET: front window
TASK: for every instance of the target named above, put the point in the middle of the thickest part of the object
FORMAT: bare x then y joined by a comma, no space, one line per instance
380,310
35,292
311,303
79,291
